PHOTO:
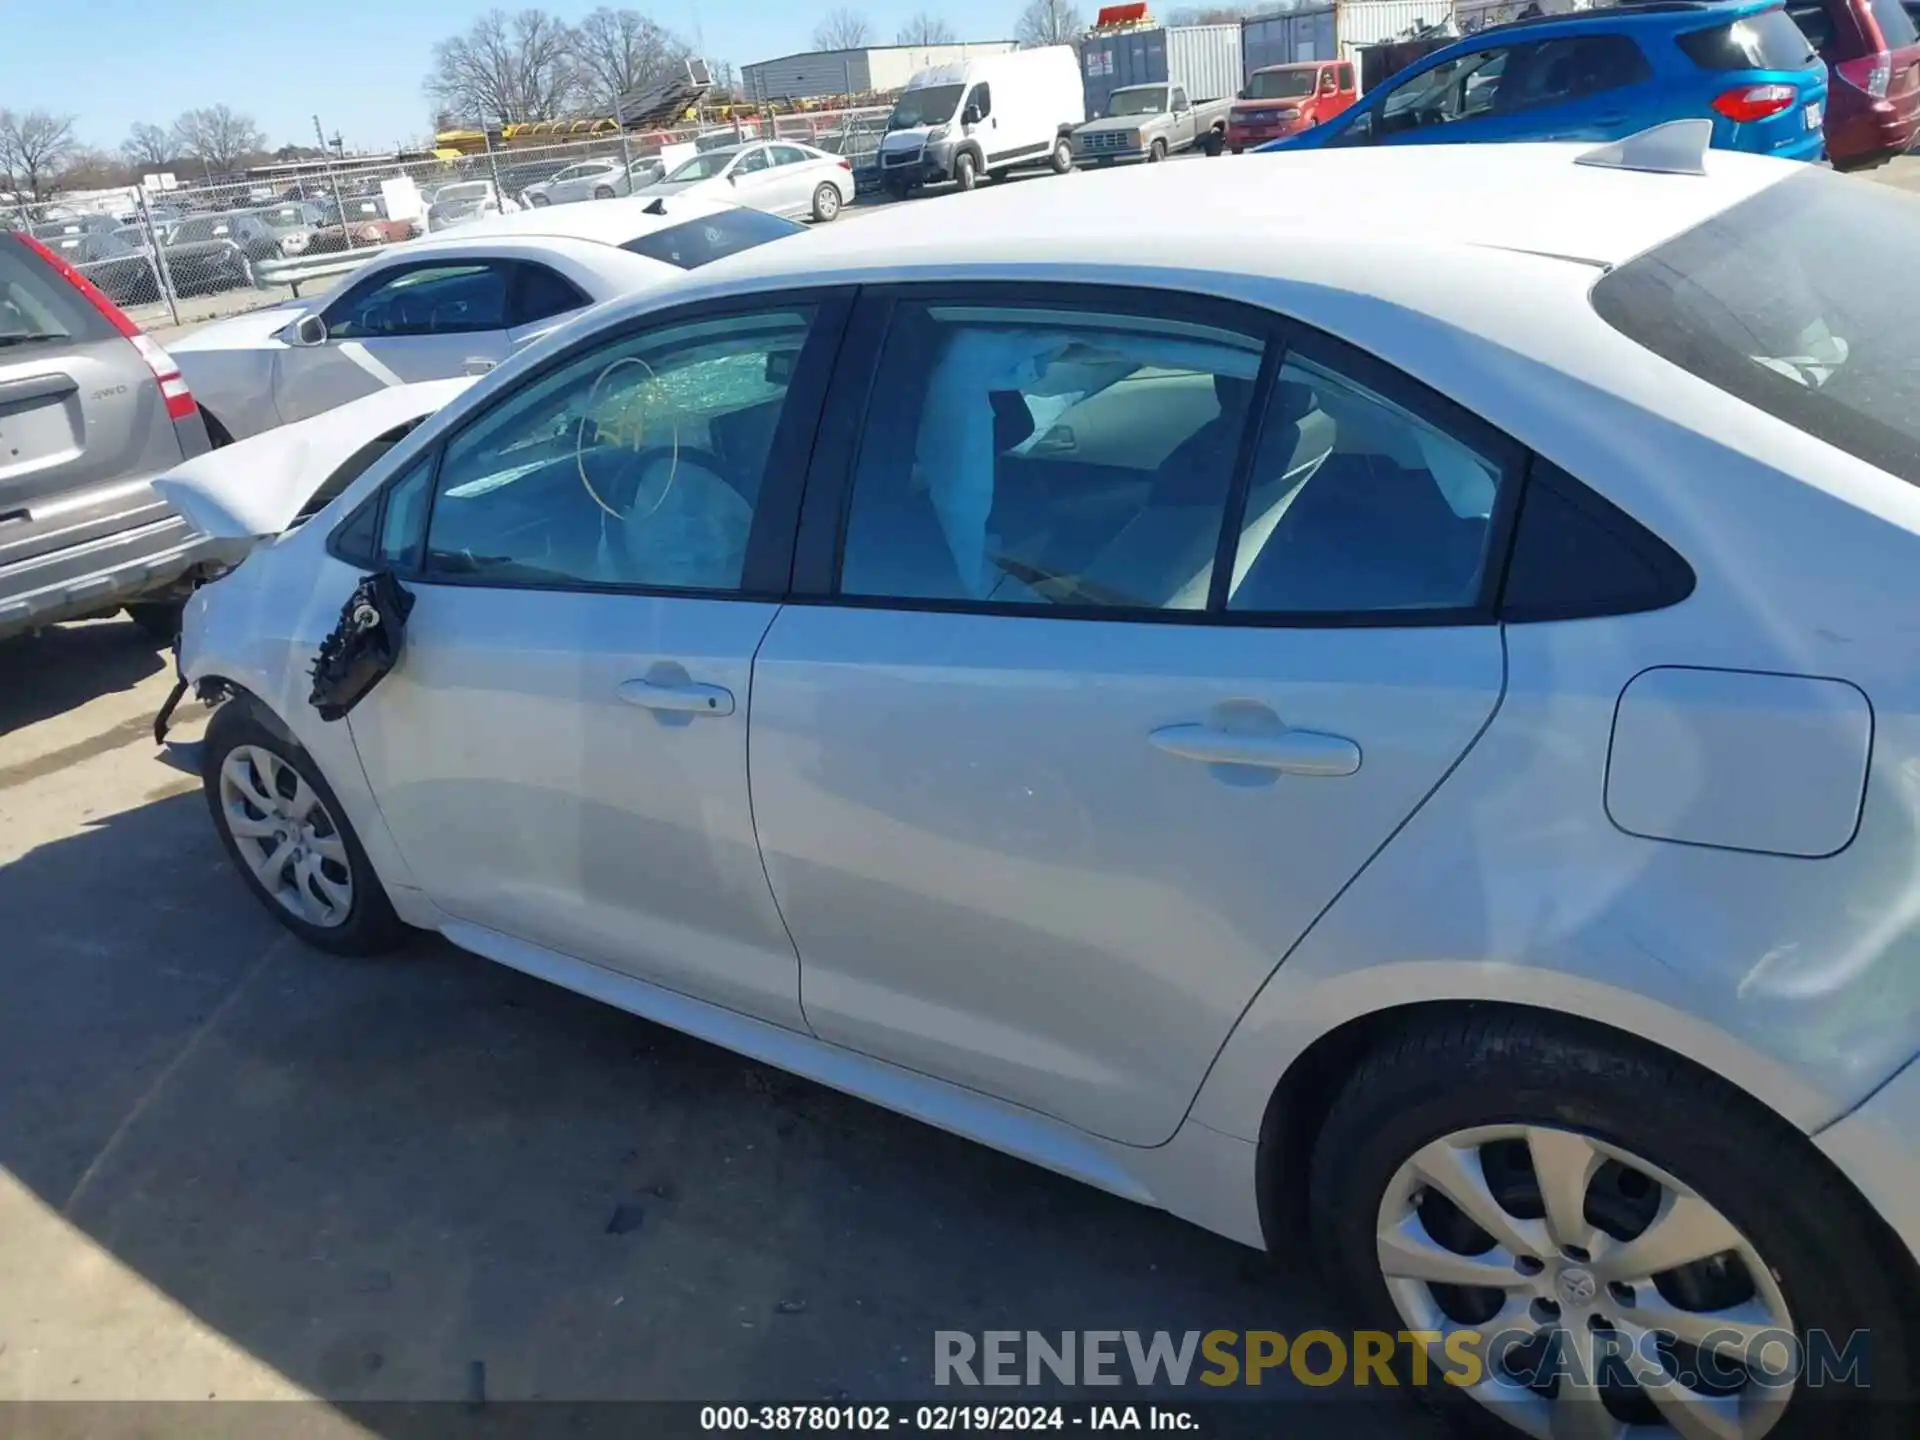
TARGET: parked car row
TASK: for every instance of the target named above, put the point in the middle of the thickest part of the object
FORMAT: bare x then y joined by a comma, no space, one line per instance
1402,729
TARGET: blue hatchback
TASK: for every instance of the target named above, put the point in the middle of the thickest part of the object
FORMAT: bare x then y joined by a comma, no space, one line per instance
1601,75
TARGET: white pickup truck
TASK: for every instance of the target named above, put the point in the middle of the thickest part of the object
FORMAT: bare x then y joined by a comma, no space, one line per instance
1151,122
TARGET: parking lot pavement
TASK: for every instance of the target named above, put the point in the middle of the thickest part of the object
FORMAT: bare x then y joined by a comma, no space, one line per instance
234,1166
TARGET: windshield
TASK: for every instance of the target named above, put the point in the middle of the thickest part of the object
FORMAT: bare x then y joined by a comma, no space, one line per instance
1140,100
702,167
1280,85
932,106
286,217
1761,302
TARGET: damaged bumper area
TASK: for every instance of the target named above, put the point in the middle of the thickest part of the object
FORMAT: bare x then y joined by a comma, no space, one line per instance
362,647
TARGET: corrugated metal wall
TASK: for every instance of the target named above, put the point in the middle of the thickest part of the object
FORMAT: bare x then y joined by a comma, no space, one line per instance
1204,58
879,68
1368,22
1286,39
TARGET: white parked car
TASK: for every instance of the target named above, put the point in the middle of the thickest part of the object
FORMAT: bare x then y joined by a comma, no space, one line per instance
781,176
593,180
1405,719
464,201
451,304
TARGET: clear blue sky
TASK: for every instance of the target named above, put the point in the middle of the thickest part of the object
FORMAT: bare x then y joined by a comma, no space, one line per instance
357,63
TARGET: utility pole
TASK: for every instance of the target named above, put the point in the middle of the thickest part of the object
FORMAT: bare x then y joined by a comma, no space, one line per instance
333,182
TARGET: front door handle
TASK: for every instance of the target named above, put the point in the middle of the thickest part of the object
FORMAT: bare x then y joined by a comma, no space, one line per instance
682,698
1292,752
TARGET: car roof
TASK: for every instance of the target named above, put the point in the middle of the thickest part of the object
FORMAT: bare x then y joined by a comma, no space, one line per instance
1270,213
606,222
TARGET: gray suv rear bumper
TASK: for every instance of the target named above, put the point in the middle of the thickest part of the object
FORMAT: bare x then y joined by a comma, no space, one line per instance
99,575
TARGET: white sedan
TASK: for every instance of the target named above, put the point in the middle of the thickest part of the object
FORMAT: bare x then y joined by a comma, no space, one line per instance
593,180
781,176
455,303
1405,720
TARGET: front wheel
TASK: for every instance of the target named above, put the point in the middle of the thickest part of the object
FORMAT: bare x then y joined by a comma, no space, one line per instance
1593,1236
1156,152
966,170
288,835
1062,157
826,203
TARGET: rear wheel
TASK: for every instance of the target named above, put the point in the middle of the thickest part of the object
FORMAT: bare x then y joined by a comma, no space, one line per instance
603,192
538,201
1062,157
1604,1237
966,170
826,203
286,831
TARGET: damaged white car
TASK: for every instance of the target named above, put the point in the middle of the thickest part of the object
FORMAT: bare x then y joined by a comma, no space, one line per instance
1404,721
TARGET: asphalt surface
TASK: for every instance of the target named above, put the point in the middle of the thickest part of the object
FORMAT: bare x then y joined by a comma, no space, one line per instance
233,1166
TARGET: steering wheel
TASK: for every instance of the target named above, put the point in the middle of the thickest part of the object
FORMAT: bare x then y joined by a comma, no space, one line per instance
635,463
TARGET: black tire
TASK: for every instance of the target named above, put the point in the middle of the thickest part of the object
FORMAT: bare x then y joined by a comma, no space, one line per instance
1827,1252
1237,149
826,203
966,170
1214,143
1156,152
538,202
1062,157
157,619
603,192
897,191
370,926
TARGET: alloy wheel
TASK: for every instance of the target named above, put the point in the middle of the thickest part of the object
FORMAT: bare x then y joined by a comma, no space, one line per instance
286,835
1597,1291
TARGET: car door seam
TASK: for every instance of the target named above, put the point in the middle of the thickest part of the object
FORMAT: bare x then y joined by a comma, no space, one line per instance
753,820
1493,714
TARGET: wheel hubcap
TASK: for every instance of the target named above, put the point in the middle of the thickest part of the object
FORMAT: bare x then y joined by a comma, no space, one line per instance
286,835
1599,1295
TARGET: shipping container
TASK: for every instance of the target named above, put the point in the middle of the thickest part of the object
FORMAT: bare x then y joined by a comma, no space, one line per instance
1337,32
1288,39
1205,59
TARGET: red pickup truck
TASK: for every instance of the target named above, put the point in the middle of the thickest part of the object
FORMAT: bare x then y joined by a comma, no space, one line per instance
1286,99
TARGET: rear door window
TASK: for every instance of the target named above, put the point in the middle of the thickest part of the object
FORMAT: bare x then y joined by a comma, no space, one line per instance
1896,25
1764,302
1767,41
1557,71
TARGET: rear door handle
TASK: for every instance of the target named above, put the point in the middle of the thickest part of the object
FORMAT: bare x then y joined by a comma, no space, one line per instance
1292,752
684,698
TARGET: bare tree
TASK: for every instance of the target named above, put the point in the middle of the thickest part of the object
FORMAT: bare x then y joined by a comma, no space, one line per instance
617,51
89,169
509,68
147,147
842,28
218,137
1049,22
34,146
925,28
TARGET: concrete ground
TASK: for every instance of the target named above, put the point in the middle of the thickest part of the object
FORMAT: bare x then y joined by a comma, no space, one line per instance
232,1166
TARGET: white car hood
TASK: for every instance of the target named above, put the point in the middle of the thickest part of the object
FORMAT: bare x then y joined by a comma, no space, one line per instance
242,332
255,487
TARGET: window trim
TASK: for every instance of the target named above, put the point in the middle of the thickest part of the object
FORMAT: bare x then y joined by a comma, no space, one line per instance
827,503
770,541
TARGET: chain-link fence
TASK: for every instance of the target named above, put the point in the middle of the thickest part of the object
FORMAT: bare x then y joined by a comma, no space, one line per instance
199,251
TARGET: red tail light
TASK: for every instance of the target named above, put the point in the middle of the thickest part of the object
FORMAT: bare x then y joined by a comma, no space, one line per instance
845,163
1754,102
1869,73
166,374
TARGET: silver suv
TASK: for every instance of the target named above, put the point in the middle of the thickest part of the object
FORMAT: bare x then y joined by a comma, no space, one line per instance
90,411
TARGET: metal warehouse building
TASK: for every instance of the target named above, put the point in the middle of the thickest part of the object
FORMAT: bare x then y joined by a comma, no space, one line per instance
874,69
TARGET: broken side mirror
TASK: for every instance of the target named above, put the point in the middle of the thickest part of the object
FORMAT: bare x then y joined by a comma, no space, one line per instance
363,646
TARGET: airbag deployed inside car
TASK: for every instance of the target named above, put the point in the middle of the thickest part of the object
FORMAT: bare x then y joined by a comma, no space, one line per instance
363,646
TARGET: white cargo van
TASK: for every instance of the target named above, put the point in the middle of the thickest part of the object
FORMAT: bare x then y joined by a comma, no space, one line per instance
984,117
